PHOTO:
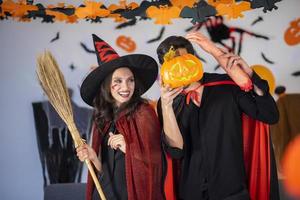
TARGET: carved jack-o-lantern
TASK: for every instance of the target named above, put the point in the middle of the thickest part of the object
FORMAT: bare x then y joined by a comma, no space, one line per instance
181,70
292,34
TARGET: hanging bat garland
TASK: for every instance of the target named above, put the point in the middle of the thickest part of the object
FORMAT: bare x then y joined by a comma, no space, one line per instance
93,11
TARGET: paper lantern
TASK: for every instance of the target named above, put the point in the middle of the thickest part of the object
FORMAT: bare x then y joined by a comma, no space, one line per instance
265,74
181,70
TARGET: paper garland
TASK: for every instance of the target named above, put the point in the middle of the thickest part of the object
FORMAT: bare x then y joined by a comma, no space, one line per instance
162,11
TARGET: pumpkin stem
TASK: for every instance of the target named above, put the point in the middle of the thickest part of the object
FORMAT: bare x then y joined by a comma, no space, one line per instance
170,54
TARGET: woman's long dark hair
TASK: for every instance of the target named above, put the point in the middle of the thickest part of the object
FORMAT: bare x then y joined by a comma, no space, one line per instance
104,103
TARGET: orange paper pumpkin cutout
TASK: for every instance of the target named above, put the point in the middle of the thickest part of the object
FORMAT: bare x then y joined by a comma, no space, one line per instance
267,75
292,34
182,3
181,70
163,14
233,10
291,167
17,10
126,43
91,10
123,5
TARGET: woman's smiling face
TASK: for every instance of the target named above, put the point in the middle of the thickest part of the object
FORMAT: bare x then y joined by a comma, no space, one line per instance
122,85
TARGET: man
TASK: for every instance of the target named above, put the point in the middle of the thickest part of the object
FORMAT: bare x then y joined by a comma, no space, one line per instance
206,136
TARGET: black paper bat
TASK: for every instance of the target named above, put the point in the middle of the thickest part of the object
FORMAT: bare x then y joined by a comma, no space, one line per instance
40,13
72,66
125,24
297,73
268,5
266,59
259,19
86,48
56,37
199,12
162,30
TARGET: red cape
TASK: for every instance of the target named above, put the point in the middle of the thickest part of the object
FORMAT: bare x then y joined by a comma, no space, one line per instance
143,166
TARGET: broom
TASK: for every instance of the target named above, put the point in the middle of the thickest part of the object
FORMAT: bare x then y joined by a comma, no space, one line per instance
53,83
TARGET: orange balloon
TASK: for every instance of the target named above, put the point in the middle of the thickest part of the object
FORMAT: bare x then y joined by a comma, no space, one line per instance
291,167
267,75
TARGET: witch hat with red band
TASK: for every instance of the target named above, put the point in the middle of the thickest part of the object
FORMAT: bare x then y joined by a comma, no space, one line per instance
143,67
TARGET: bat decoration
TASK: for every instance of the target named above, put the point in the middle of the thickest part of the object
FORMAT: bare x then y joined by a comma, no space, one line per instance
259,19
268,5
86,48
55,38
266,59
40,13
280,90
297,73
72,67
162,30
94,11
199,12
141,10
131,22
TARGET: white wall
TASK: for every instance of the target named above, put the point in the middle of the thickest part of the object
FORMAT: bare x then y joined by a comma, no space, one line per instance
20,172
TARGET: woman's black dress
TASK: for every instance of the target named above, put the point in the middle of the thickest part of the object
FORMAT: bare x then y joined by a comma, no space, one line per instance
112,179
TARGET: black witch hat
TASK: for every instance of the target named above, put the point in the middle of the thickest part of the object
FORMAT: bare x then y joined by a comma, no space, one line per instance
144,67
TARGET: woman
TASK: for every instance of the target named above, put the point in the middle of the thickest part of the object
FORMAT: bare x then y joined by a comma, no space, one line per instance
206,136
126,148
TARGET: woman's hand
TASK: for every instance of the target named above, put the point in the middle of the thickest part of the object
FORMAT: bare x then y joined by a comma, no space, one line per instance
86,152
168,94
117,141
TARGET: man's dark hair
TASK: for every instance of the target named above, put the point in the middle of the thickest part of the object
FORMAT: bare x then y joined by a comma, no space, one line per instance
176,42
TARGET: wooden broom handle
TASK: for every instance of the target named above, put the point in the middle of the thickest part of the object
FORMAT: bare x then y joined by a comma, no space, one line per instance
95,178
79,141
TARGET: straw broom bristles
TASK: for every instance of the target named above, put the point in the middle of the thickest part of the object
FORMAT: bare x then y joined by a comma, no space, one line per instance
53,83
